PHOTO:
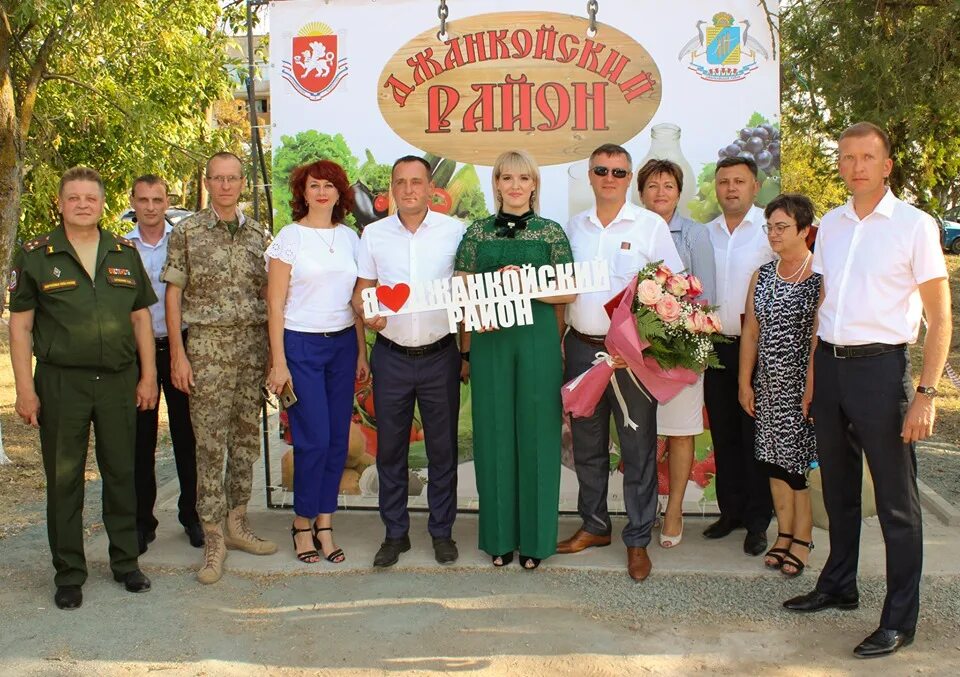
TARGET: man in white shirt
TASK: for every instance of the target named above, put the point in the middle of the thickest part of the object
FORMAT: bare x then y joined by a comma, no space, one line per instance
150,202
414,360
628,237
740,247
882,268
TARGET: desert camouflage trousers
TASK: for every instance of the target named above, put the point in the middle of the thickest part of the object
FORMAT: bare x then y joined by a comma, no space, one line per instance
228,371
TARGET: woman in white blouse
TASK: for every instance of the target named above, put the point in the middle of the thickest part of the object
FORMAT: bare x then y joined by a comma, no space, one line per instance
317,345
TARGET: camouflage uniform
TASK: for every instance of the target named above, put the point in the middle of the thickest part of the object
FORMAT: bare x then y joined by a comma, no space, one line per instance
223,278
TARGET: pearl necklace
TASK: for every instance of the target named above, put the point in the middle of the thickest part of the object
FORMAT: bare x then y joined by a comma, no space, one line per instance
790,281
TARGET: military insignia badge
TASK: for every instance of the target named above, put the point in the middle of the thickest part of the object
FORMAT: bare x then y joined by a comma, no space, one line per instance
56,272
118,271
725,52
14,278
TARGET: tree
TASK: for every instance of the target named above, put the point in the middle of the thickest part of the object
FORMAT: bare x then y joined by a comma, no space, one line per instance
123,86
892,62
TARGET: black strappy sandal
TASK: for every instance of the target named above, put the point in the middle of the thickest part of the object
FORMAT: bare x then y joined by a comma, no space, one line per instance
337,556
308,556
529,563
777,553
504,559
794,561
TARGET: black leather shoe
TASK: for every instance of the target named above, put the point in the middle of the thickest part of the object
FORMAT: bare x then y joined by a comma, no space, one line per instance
755,543
133,581
144,538
818,601
445,550
195,534
882,642
68,597
721,527
389,552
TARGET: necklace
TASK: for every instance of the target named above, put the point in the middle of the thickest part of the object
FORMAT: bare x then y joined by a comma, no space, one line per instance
788,283
797,274
323,239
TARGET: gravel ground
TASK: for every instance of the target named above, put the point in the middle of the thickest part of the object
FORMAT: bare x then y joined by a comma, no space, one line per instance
938,466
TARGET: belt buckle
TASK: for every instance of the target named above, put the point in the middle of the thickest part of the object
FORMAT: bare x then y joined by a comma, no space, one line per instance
836,355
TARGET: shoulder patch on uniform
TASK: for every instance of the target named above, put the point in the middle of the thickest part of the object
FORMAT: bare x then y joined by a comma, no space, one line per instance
14,279
124,241
35,243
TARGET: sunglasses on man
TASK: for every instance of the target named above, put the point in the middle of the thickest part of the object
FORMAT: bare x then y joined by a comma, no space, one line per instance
617,172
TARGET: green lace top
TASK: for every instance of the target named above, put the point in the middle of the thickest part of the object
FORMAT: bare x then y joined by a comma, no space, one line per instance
540,242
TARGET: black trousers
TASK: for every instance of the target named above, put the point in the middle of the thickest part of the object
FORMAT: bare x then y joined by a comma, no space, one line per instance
184,450
743,490
432,382
591,451
869,395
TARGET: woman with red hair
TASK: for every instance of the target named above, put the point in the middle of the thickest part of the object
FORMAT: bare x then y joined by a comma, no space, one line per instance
317,345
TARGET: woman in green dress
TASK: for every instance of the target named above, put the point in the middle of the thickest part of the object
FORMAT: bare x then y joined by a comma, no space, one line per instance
517,375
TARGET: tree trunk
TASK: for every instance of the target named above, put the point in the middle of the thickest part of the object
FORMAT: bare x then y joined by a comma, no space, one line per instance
11,150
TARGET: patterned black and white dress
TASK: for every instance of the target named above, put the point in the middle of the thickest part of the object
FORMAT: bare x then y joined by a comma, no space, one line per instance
785,442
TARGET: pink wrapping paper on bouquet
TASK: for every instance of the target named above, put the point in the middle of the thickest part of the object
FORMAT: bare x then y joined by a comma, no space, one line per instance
581,395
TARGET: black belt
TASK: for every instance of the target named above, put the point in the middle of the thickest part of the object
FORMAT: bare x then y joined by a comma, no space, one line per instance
417,351
588,338
162,342
864,350
331,334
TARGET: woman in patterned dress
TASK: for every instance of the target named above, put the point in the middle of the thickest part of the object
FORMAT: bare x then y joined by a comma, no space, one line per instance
779,334
517,375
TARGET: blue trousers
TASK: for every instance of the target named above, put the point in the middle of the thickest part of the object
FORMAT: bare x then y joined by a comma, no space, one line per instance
323,370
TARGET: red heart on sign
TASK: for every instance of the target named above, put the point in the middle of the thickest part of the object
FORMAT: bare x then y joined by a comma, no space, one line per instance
393,297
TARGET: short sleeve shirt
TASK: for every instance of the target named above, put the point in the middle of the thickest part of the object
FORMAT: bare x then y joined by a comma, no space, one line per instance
872,268
323,272
390,254
222,275
79,321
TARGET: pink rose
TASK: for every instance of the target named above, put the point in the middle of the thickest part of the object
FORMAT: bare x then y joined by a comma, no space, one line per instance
677,285
668,308
713,324
649,292
695,286
702,322
690,323
662,274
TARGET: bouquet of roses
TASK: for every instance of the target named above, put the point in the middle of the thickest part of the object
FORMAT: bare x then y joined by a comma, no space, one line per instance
663,333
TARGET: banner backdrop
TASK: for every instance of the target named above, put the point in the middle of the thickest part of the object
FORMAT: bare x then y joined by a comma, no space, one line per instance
362,82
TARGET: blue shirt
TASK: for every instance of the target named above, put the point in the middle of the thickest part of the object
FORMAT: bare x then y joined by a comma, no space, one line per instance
693,244
153,257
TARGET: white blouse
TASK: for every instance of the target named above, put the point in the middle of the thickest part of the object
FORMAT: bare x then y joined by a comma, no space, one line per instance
321,280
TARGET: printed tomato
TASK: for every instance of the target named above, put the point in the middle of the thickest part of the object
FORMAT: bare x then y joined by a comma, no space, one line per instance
381,203
441,201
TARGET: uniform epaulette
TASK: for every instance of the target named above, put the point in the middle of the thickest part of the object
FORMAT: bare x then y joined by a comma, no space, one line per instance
124,241
36,243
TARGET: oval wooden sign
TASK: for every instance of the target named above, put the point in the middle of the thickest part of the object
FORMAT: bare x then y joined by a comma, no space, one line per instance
531,80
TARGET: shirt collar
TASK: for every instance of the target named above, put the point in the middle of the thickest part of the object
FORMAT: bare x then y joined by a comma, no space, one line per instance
753,218
431,219
241,219
884,208
676,222
628,212
135,233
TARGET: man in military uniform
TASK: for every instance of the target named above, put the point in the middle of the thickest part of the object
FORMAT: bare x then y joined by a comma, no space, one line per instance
79,300
216,278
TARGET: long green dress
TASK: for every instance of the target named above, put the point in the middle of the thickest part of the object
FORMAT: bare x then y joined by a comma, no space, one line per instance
516,376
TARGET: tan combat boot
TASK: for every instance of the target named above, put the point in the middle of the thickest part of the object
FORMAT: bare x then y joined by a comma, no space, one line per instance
238,535
214,552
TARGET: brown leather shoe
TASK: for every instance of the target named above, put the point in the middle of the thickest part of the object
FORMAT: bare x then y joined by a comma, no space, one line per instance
581,541
638,563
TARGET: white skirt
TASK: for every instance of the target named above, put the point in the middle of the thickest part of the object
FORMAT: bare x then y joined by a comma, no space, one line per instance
683,415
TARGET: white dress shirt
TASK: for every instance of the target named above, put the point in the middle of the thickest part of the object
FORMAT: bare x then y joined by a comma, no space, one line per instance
871,269
737,255
633,239
153,257
321,281
390,254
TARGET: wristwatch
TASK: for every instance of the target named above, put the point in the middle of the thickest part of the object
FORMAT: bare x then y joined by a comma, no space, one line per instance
929,391
465,356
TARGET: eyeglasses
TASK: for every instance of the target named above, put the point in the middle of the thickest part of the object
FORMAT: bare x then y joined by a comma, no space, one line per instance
779,230
617,172
225,179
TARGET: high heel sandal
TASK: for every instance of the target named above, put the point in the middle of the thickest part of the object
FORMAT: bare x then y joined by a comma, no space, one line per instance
794,561
505,559
337,556
777,553
308,556
667,541
533,562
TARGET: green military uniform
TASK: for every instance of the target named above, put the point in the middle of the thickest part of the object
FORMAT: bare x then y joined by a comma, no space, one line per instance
86,371
223,277
516,376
